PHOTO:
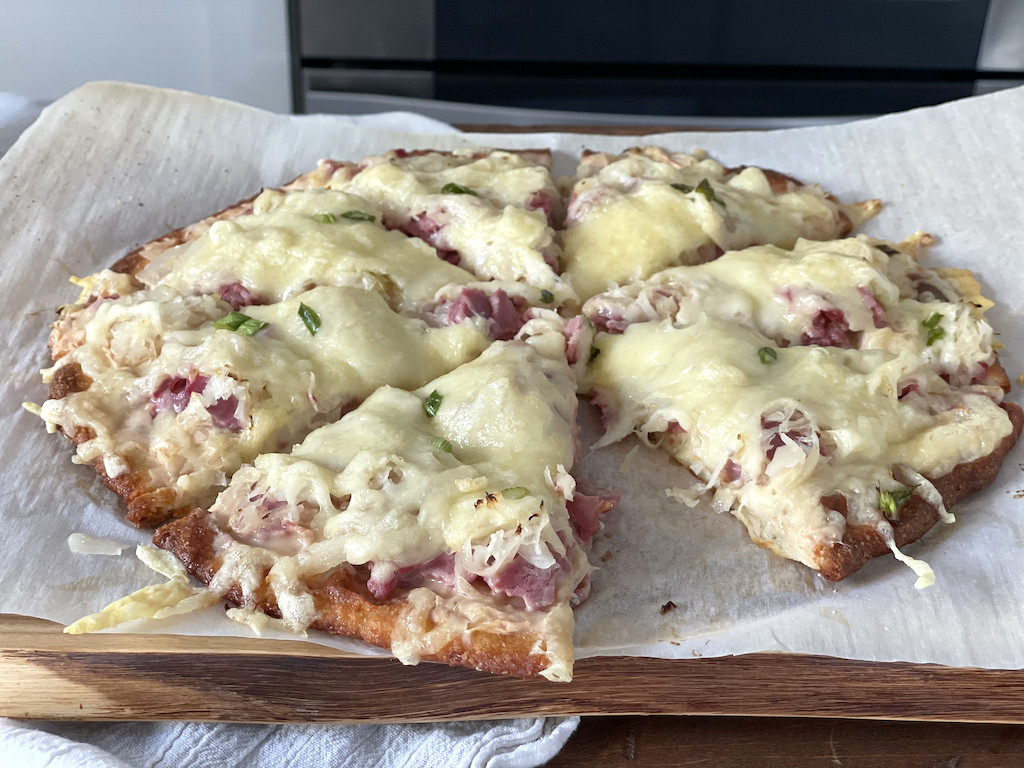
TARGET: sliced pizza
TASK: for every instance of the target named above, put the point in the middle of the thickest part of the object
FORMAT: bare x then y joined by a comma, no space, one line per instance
441,523
837,398
492,212
634,214
173,392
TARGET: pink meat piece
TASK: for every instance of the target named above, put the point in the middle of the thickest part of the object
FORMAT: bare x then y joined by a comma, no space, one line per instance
506,319
572,332
585,512
223,413
877,311
829,328
520,578
238,296
175,392
425,228
732,471
906,389
541,201
801,437
383,578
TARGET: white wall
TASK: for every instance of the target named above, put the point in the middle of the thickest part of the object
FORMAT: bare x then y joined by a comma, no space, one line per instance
235,49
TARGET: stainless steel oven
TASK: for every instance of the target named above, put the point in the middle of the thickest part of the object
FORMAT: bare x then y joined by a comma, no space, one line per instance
724,59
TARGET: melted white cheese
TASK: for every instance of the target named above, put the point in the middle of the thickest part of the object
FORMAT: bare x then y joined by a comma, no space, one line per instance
778,292
284,379
281,249
495,229
709,379
381,487
627,221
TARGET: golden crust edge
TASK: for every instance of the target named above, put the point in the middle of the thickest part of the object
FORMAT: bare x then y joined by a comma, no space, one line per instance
345,608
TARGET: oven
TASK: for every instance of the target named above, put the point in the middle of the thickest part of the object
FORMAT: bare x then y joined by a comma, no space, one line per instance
733,59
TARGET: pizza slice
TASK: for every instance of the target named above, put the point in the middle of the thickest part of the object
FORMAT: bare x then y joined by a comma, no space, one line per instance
268,249
837,398
441,523
172,393
634,214
492,212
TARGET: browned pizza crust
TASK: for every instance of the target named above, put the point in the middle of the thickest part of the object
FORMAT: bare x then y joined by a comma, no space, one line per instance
861,542
344,606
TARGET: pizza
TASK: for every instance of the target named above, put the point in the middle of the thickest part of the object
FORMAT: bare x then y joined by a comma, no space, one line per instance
442,523
837,397
348,404
634,214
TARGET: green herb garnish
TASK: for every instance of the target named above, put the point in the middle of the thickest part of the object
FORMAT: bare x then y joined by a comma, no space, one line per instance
517,492
325,218
594,352
251,327
705,189
891,501
767,355
241,323
358,216
451,188
310,318
935,331
441,444
546,296
684,188
432,403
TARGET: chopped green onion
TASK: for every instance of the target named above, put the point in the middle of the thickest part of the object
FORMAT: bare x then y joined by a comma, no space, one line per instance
310,318
594,352
684,188
231,321
451,188
767,355
546,296
935,331
517,492
891,501
441,444
325,218
358,216
433,403
240,323
251,327
705,189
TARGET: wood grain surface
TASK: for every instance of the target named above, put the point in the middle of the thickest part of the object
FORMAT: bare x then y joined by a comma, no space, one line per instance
742,742
46,674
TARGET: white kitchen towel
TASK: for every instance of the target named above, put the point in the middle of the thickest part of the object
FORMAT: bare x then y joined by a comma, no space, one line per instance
521,743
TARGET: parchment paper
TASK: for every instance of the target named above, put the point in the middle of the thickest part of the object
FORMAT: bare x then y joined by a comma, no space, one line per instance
111,166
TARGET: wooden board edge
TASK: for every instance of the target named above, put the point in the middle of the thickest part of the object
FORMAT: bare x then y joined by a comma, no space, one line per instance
47,675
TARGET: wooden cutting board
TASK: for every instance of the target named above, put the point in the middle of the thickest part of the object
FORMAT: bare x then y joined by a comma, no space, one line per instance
48,675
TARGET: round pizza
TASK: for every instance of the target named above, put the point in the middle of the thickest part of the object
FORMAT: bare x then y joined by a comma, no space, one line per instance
349,404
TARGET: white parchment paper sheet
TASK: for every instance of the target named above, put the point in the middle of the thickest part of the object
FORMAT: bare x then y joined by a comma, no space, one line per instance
111,166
